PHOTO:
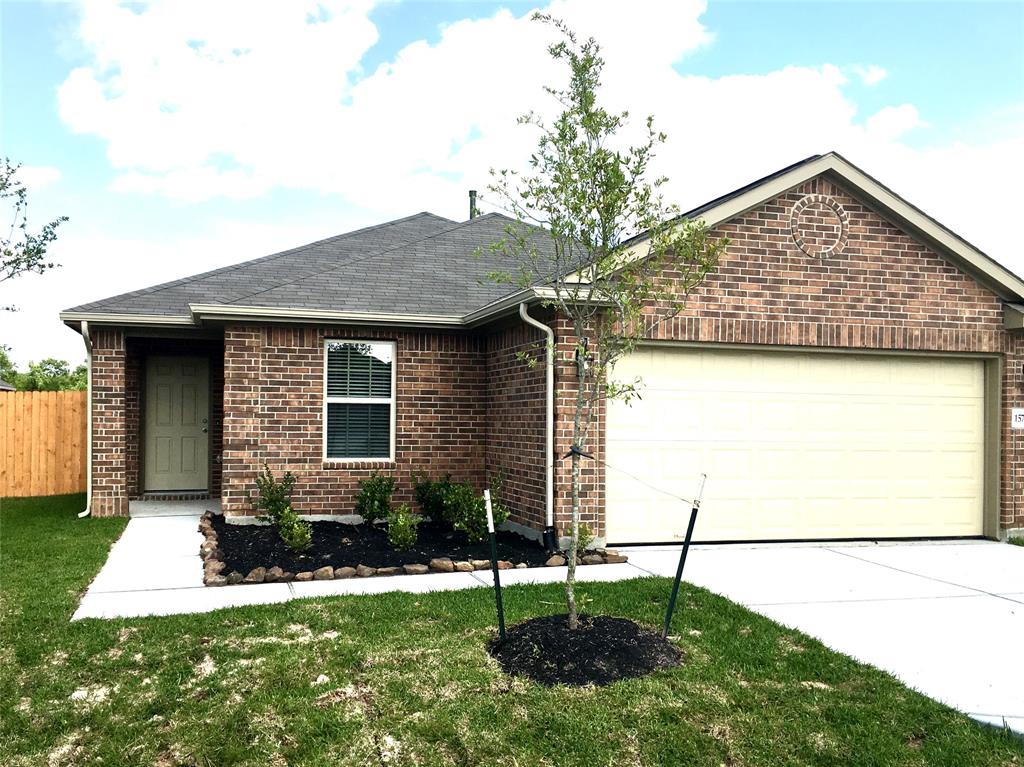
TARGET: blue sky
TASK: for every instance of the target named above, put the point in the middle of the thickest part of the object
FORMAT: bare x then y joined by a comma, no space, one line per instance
286,129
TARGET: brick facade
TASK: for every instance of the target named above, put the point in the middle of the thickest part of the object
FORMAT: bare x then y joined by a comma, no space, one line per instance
813,267
514,358
274,399
109,435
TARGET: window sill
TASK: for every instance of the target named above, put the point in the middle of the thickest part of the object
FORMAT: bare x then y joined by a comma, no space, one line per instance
358,463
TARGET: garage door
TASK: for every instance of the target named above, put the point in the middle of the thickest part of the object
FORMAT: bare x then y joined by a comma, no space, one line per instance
796,445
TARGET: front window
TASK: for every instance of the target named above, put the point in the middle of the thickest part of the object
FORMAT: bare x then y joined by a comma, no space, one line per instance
360,400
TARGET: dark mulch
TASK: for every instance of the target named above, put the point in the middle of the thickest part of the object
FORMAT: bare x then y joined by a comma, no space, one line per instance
343,545
601,651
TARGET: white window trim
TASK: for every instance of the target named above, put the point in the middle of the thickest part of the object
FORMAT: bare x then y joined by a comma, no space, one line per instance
361,400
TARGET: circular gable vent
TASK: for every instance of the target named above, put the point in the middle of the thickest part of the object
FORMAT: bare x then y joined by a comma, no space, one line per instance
820,226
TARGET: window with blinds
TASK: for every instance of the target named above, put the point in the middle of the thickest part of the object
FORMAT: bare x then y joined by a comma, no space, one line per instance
359,400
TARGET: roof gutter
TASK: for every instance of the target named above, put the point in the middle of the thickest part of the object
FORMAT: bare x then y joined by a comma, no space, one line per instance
88,422
550,535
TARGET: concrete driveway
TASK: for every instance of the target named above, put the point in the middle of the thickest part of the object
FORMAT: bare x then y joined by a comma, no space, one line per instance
945,618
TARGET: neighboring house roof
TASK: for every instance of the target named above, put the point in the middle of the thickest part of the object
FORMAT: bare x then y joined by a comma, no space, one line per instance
422,270
4,386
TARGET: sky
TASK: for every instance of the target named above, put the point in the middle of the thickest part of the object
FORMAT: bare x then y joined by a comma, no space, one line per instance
180,136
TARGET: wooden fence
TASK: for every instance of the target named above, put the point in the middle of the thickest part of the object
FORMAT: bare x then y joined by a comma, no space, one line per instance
42,442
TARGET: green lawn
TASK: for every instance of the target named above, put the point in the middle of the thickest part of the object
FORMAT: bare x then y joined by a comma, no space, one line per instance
403,679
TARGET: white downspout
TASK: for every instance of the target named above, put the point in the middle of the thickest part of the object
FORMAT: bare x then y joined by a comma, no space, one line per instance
88,420
549,468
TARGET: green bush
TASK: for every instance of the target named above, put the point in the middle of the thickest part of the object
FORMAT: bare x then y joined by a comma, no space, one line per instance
498,509
430,496
274,497
374,499
584,537
402,524
295,532
465,510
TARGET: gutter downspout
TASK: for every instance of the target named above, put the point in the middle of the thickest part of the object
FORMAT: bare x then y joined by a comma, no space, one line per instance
550,535
88,414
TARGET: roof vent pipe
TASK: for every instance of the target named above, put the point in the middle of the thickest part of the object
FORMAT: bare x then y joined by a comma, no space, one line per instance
550,537
473,212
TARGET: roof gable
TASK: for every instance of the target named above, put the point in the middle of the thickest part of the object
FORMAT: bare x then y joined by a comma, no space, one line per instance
967,257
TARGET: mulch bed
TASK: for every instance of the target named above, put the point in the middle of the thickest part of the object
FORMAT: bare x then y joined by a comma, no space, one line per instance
338,544
601,651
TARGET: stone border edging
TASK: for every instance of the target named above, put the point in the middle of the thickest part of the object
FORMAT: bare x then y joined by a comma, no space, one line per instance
214,565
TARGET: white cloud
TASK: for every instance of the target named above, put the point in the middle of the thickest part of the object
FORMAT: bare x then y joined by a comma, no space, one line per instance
871,74
891,123
36,177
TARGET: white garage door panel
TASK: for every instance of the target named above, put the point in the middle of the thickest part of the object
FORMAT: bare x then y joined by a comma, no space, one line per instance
797,445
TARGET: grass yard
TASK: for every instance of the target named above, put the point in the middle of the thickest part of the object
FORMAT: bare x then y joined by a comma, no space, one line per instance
405,679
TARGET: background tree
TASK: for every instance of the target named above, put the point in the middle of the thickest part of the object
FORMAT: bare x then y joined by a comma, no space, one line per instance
592,196
22,251
47,375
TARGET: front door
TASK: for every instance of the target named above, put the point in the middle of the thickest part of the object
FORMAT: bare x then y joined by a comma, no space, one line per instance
177,423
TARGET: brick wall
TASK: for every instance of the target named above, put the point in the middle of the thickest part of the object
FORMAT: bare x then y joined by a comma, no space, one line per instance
515,402
274,398
109,453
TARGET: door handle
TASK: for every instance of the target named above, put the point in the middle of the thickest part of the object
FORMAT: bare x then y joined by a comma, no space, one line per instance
204,430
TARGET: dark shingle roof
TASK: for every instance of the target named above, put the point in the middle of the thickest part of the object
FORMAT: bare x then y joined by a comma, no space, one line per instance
423,264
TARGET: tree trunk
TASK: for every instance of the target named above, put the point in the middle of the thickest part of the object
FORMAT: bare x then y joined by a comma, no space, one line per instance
577,433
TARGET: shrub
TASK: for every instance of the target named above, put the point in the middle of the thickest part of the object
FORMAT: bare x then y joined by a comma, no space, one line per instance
374,499
295,532
402,524
274,497
585,537
430,496
465,510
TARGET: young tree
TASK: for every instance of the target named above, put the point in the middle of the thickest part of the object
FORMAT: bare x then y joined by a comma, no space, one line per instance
593,196
22,251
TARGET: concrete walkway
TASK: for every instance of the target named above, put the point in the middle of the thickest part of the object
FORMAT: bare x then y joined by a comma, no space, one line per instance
945,618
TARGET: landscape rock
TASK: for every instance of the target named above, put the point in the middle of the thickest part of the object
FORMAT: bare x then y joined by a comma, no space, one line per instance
344,572
593,559
614,559
612,552
305,575
365,572
390,571
521,566
463,567
273,575
415,569
234,577
213,566
215,580
505,565
256,575
442,565
325,573
287,577
480,564
556,561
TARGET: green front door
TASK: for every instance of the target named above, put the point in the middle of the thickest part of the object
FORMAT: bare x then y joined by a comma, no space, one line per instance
177,423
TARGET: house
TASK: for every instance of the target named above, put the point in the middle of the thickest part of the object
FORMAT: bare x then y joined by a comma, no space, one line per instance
848,371
4,386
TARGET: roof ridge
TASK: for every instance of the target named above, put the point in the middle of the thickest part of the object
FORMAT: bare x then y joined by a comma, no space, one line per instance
231,267
384,251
